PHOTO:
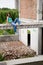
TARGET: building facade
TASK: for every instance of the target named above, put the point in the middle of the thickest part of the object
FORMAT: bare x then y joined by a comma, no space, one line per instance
31,11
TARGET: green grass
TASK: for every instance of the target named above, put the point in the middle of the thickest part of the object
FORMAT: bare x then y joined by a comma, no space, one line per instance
7,32
1,57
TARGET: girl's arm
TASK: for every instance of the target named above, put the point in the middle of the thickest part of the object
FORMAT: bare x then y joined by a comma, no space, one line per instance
7,20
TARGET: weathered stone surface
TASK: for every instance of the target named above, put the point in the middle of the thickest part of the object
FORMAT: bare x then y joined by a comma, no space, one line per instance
14,50
6,38
3,63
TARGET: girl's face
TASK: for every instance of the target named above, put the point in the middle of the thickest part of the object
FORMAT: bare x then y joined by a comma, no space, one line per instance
8,14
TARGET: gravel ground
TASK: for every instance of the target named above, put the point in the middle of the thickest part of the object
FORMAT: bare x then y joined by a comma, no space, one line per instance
15,50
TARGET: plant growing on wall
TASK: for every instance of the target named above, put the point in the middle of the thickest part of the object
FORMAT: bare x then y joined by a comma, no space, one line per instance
28,31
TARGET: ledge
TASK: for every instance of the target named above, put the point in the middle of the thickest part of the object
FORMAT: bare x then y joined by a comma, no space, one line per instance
23,25
7,38
24,60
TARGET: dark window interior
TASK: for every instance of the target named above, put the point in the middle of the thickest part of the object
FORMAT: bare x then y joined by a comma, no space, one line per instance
42,11
28,39
42,40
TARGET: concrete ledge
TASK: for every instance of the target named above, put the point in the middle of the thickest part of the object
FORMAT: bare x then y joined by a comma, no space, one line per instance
3,63
23,25
7,38
25,60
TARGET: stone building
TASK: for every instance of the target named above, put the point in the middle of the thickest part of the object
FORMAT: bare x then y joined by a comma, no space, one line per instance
31,11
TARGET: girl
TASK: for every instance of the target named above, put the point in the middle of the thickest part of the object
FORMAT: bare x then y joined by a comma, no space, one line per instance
13,23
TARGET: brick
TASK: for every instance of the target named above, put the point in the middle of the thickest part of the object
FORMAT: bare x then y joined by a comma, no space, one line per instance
28,9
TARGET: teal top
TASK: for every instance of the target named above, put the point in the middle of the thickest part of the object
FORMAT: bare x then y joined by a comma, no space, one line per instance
10,20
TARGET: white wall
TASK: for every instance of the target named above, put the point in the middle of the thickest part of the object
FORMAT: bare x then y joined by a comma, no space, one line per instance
23,36
8,3
34,38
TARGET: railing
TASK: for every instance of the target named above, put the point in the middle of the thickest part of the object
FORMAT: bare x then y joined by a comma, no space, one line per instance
22,25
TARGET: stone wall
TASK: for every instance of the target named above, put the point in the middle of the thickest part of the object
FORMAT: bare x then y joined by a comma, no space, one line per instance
7,38
28,9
